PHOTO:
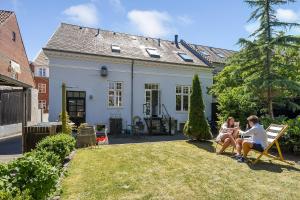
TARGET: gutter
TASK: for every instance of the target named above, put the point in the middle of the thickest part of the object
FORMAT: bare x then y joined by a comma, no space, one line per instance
131,103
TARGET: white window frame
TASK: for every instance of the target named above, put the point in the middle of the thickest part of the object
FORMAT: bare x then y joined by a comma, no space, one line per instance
117,103
42,87
42,104
42,72
182,94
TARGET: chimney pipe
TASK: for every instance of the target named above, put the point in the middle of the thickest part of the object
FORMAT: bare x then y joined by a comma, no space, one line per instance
158,42
98,32
176,41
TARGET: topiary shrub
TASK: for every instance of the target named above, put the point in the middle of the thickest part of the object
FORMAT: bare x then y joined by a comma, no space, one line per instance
28,176
197,126
60,144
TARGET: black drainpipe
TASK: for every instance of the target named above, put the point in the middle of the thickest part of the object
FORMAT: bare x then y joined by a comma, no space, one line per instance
131,106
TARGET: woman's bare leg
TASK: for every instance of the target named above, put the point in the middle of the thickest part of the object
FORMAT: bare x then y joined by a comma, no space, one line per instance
239,143
226,143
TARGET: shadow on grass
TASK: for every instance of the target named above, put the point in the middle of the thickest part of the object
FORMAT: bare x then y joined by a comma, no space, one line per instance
205,145
268,165
261,165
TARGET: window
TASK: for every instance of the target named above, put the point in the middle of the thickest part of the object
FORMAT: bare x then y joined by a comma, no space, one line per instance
115,48
42,72
42,104
221,55
185,57
204,53
13,36
42,88
153,52
182,97
115,94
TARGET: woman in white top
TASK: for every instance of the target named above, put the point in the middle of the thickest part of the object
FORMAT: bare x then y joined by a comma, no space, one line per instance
227,134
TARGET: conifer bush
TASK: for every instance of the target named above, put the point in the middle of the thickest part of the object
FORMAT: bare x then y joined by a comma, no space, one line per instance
197,126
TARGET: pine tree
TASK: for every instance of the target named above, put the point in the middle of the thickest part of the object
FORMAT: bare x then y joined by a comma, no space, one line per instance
260,51
197,126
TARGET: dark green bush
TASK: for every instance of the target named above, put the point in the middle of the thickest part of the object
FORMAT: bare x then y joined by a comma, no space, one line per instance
291,140
60,144
29,173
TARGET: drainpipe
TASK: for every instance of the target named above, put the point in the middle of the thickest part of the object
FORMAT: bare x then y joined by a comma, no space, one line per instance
131,106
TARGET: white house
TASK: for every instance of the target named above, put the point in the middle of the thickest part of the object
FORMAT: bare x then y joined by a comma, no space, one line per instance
113,75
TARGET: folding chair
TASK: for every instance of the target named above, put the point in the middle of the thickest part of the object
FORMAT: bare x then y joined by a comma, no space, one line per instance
274,132
221,144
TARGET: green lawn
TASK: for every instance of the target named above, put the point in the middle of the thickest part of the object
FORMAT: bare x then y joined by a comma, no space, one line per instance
174,170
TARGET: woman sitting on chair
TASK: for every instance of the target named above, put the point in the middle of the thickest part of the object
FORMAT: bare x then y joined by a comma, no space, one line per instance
227,134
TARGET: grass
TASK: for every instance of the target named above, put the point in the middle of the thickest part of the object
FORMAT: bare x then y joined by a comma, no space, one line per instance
174,170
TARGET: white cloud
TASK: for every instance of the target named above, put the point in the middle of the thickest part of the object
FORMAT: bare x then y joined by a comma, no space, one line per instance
151,22
84,14
117,5
250,28
287,15
185,20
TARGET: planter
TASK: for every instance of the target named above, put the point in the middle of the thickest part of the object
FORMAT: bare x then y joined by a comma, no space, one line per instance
86,137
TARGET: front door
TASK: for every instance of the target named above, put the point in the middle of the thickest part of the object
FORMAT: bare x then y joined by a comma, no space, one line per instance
152,100
76,106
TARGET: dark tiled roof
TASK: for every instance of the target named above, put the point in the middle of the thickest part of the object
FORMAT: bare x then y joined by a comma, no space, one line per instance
41,59
212,54
93,41
4,15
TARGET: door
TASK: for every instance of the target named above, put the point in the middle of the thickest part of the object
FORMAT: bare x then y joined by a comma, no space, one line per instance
76,106
152,100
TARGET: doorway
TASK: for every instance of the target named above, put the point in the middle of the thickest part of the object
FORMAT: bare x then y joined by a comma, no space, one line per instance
76,106
152,100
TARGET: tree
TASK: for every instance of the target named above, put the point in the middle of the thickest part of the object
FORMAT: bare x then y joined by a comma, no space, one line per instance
197,126
261,50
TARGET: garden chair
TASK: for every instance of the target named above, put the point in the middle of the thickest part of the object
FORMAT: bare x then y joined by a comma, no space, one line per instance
221,144
274,132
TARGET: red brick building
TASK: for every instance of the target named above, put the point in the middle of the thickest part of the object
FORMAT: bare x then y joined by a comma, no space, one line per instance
13,59
18,101
40,70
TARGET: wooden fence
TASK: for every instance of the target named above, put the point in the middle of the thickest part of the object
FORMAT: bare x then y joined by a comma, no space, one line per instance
11,106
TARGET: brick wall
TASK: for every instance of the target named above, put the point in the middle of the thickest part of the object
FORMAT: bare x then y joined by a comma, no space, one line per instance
43,96
13,50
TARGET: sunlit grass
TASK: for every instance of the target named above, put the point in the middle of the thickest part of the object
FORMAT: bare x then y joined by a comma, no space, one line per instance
174,170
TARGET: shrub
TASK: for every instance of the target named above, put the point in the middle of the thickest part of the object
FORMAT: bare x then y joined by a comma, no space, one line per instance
8,195
197,126
60,144
291,140
47,156
31,175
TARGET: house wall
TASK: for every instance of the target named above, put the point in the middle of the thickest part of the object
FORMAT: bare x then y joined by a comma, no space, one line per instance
13,50
83,74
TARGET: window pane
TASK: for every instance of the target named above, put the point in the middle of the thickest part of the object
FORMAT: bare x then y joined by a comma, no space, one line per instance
72,108
82,94
76,94
185,89
80,102
111,101
185,102
119,85
178,103
178,89
70,94
112,85
80,108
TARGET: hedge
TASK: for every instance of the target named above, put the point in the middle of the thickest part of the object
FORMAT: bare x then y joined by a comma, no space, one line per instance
35,175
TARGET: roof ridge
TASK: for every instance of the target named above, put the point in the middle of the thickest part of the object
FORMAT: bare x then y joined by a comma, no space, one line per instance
129,34
211,47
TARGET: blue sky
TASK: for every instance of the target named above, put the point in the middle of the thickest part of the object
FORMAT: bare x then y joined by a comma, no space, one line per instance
218,23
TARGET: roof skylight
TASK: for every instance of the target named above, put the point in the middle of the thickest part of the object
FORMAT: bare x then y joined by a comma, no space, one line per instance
204,53
115,48
185,57
153,52
221,55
